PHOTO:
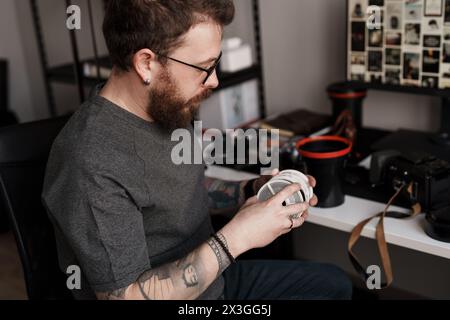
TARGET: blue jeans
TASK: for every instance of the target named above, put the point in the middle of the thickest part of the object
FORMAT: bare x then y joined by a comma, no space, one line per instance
285,280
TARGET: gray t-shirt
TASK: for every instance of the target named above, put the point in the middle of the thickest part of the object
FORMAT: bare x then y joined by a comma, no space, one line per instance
118,204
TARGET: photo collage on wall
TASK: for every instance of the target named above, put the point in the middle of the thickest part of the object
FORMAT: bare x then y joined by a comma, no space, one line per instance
410,47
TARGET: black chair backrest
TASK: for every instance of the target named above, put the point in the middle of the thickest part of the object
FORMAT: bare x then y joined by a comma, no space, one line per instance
4,224
24,151
3,85
6,118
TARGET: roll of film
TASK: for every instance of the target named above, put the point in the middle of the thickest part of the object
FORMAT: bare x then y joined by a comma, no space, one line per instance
281,181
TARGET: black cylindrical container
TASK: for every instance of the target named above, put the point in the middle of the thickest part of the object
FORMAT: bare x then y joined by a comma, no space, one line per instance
324,158
438,224
348,96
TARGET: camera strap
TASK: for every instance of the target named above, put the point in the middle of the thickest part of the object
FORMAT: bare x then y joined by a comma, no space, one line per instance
416,209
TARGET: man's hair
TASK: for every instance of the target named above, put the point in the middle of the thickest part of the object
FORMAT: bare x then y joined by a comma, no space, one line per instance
158,25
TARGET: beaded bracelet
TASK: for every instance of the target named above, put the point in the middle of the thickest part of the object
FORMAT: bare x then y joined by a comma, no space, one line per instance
225,248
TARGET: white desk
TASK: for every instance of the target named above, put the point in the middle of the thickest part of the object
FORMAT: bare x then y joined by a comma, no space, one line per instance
407,233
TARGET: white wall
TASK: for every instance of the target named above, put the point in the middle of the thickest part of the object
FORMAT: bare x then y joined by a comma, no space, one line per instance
304,51
303,46
57,45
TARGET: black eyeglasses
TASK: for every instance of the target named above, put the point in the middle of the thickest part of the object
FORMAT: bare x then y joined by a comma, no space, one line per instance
208,71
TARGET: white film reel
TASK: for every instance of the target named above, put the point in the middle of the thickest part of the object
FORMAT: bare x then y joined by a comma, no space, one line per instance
281,181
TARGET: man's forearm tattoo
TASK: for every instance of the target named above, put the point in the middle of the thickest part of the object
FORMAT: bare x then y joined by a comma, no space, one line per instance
189,272
161,283
223,239
221,256
114,295
215,247
183,279
156,284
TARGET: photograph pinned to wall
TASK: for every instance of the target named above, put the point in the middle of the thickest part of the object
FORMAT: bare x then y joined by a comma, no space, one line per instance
433,8
411,66
392,76
446,53
411,83
379,3
375,78
444,83
432,25
413,10
358,9
412,34
358,59
394,15
431,41
358,63
430,82
358,41
376,38
447,12
375,61
393,38
446,34
393,57
357,76
445,71
358,68
430,62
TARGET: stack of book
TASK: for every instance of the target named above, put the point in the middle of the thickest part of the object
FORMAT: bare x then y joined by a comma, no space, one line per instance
297,123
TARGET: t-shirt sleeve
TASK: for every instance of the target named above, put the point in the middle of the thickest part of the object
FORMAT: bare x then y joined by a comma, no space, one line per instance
101,222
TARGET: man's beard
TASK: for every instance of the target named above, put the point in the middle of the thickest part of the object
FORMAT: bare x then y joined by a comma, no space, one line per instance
168,109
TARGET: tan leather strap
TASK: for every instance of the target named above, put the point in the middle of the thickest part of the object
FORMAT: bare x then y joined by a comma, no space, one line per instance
380,237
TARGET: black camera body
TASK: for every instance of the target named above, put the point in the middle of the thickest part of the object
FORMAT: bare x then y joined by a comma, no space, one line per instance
430,177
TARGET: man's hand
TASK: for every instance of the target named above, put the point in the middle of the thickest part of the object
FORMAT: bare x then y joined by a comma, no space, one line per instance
314,201
258,224
261,181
